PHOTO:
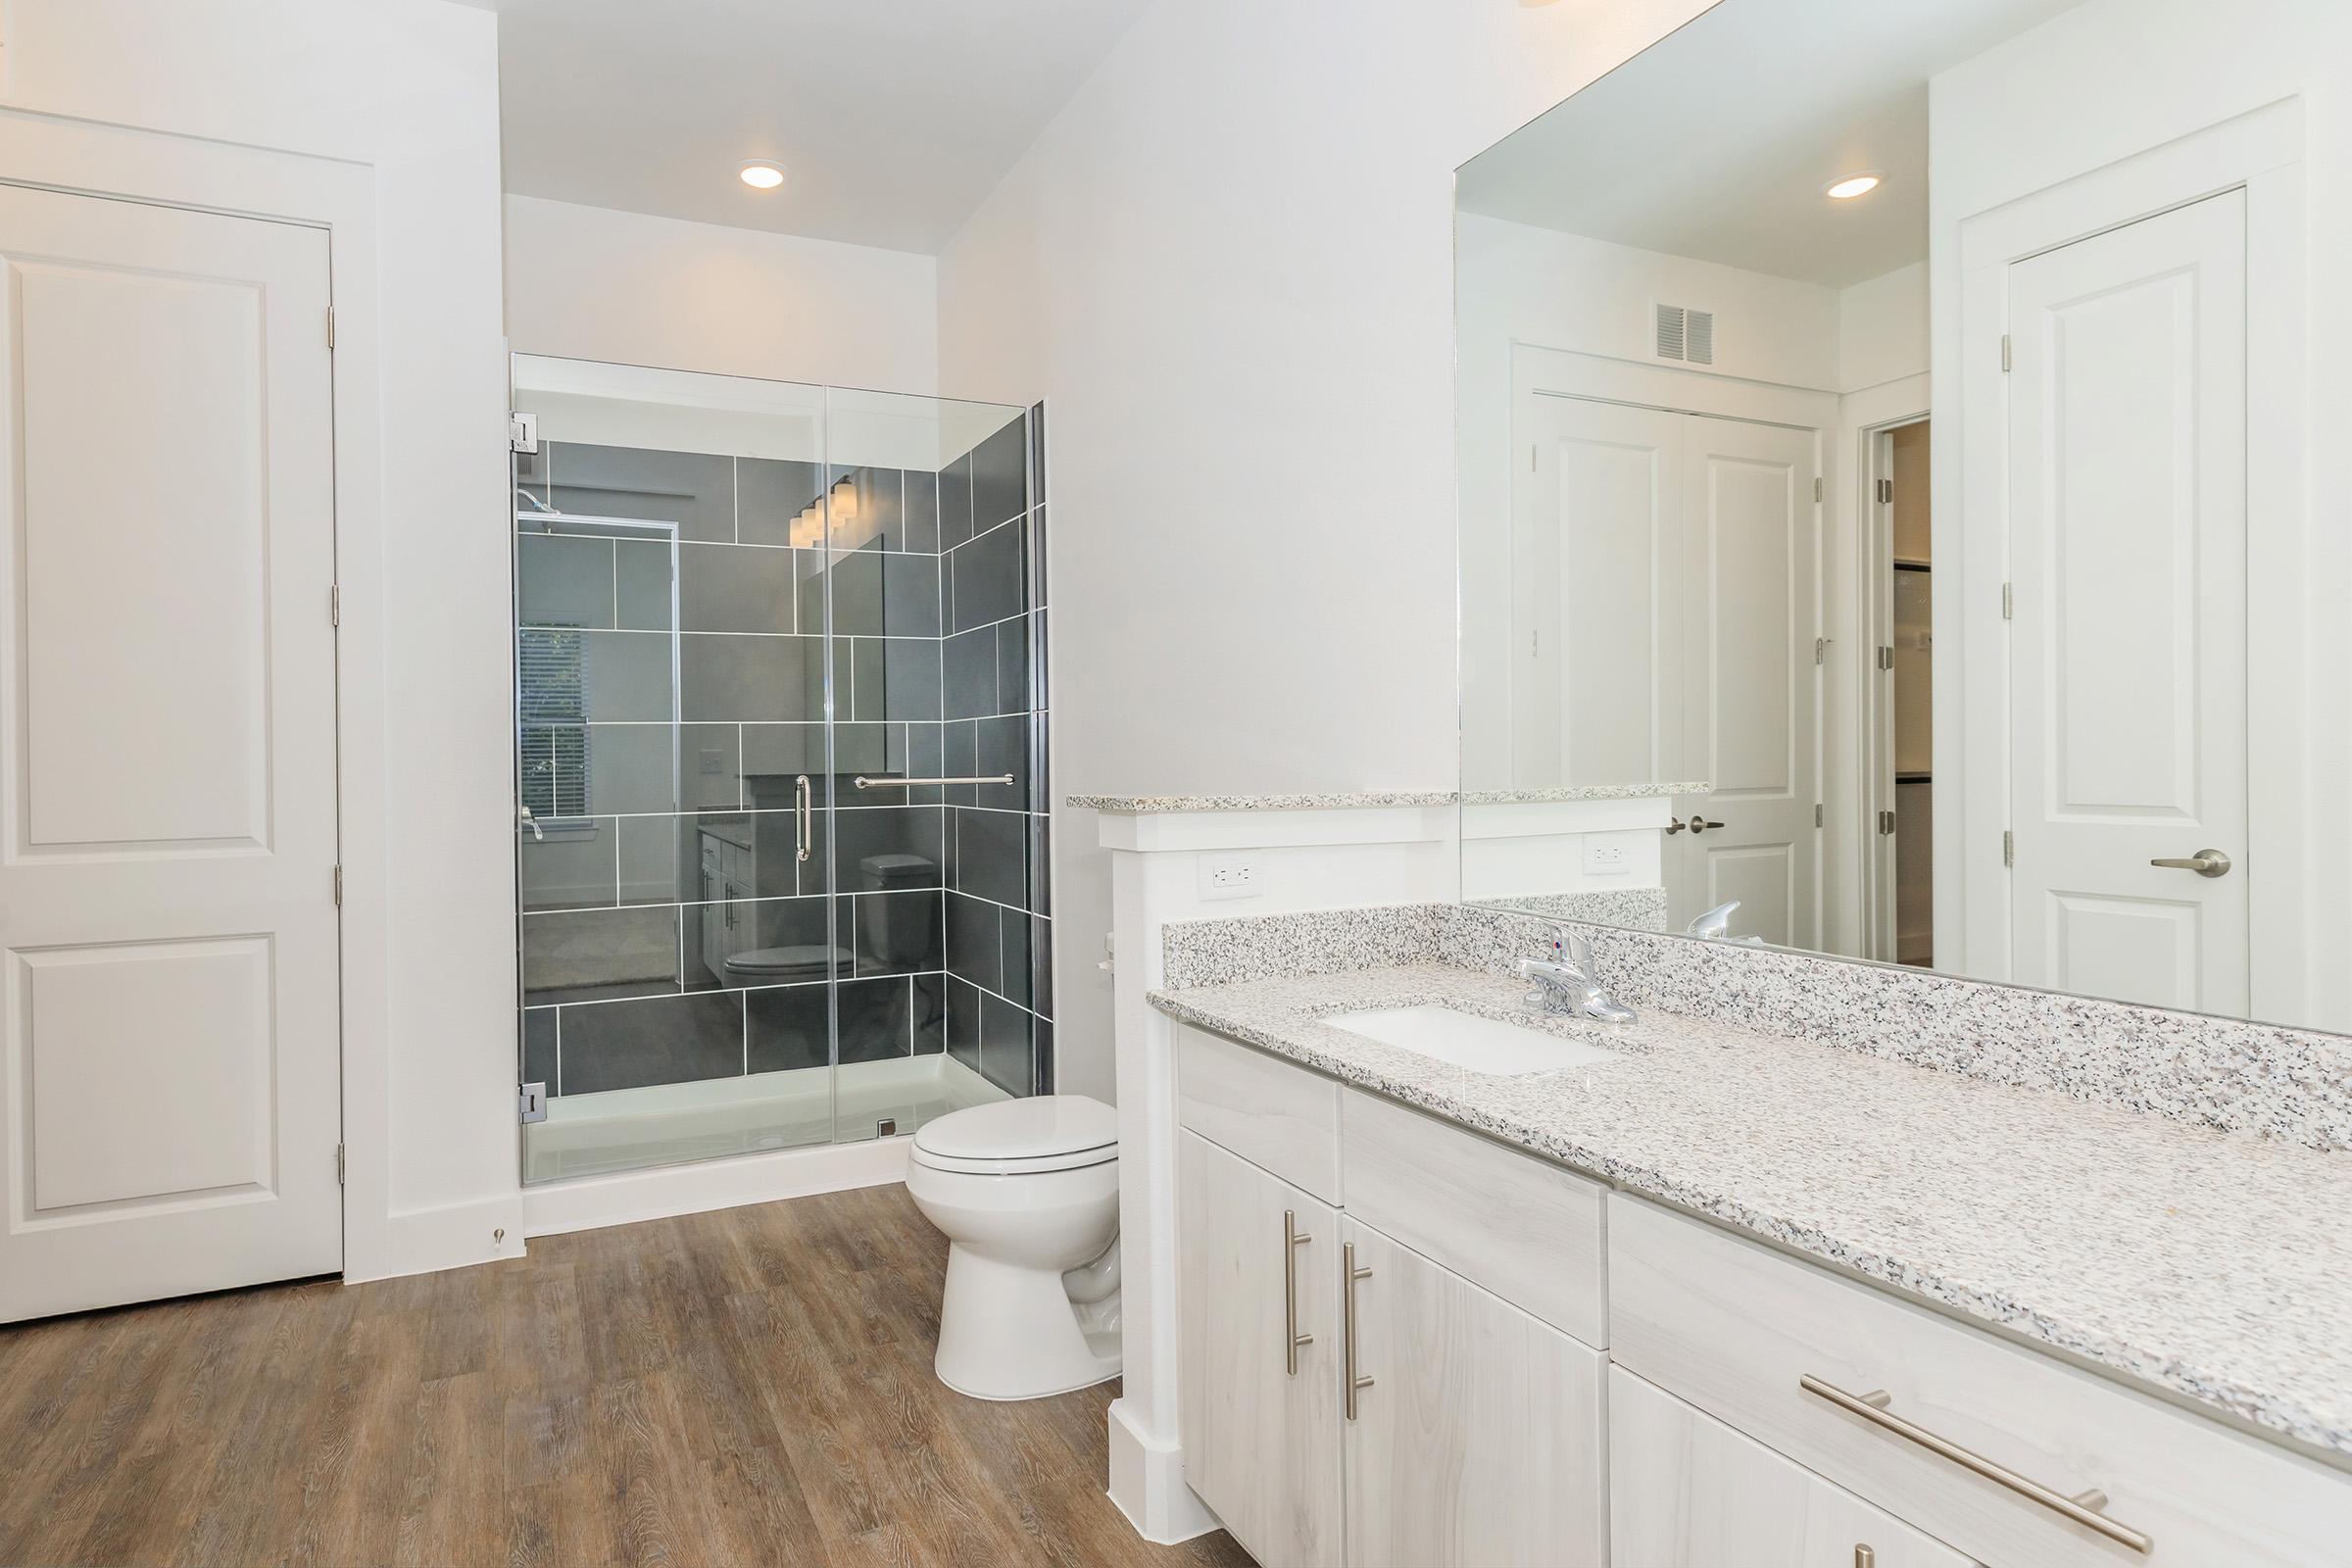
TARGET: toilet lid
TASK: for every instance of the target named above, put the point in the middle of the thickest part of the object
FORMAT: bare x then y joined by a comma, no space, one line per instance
1049,1131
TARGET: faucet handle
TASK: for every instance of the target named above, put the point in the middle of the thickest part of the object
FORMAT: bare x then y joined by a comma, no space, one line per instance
1579,947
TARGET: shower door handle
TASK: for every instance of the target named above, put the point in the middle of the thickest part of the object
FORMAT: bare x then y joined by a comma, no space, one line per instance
803,817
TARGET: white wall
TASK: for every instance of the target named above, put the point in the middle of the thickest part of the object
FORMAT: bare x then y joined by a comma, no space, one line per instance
1227,264
2097,84
596,284
410,88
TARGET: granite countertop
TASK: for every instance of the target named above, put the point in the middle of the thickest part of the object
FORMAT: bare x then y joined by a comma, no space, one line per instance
2212,1265
1260,803
1146,803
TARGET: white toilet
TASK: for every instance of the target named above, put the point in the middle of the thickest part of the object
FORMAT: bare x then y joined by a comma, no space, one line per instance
1028,1194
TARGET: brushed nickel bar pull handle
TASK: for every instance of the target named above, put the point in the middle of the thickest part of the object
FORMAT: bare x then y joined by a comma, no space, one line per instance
1293,1239
1347,1316
1864,1556
865,783
803,822
2082,1508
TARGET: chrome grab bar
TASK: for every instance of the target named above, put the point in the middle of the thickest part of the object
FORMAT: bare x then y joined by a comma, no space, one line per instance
803,822
2082,1509
865,783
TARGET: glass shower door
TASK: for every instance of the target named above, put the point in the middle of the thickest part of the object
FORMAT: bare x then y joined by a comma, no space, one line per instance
779,765
677,930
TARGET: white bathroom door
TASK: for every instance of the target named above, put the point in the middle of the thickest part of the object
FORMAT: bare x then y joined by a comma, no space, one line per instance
1609,492
2128,641
1750,587
169,1091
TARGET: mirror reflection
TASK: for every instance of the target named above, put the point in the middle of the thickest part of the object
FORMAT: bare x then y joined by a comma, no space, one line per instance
1885,520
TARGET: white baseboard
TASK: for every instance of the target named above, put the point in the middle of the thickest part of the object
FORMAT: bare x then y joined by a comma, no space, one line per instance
426,1241
1147,1484
590,1202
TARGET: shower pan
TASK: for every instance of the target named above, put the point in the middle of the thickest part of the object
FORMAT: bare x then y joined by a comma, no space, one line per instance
780,732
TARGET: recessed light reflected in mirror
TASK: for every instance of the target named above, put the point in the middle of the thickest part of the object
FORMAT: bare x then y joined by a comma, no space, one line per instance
761,175
1852,186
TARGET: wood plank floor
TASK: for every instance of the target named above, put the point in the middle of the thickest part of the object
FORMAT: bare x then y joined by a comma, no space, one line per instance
751,1386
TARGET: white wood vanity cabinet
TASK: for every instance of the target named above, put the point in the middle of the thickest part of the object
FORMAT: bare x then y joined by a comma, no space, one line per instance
1354,1388
1404,1345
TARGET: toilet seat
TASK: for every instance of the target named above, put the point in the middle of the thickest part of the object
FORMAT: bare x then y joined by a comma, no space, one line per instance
1021,1137
804,962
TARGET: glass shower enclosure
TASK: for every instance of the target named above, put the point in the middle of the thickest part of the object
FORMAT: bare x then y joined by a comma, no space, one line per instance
780,764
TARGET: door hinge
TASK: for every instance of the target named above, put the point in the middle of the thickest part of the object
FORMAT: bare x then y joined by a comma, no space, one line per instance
1886,492
340,1164
2005,359
1534,458
1817,487
1886,822
334,604
1821,646
1886,657
522,431
331,326
1535,644
2008,847
531,1101
2008,602
338,887
1817,815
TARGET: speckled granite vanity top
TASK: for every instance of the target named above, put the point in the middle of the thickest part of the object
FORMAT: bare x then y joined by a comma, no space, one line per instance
2212,1264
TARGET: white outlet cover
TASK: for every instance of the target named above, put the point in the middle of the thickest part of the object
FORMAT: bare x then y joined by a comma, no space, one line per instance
1605,857
1229,876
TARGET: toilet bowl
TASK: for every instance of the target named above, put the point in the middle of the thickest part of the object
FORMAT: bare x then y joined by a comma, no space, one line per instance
1027,1192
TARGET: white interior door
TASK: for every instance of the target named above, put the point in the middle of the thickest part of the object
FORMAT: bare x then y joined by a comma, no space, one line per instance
2128,653
1609,500
168,1103
1752,594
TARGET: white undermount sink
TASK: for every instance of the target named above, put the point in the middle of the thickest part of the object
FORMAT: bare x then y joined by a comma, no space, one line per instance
1466,1039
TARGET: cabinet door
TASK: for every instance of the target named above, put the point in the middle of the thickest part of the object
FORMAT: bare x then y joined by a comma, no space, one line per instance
1477,1442
1260,1439
1687,1492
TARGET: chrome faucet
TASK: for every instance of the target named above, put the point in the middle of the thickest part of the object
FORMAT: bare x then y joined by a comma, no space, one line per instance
1716,926
1568,984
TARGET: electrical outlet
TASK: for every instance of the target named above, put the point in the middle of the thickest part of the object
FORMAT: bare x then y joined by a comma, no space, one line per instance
1229,876
714,762
1604,858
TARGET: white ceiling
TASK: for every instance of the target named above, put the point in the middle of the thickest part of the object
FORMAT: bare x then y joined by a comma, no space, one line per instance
1716,142
892,119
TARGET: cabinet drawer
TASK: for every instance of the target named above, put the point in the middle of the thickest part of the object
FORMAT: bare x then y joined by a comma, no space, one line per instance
1731,1327
1525,1229
1275,1114
1687,1492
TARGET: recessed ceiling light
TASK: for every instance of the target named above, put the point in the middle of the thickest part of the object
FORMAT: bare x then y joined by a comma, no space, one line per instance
1845,190
762,174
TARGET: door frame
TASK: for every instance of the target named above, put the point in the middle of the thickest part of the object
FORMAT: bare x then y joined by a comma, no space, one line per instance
159,168
2297,905
1874,696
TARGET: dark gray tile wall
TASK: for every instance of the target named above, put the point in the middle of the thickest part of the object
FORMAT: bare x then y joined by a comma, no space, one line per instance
671,694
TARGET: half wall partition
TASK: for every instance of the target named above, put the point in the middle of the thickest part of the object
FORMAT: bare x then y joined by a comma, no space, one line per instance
752,619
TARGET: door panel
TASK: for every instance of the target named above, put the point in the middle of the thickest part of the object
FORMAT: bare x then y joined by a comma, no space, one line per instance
2126,441
1608,498
168,1099
1262,1439
1750,724
1479,1442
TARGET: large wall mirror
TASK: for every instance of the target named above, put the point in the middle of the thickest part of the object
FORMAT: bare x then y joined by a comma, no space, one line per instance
1902,495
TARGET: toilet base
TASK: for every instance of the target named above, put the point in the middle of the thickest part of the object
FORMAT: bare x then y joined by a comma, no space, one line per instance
1011,1333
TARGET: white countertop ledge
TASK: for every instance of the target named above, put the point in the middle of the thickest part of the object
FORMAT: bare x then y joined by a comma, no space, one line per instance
2213,1266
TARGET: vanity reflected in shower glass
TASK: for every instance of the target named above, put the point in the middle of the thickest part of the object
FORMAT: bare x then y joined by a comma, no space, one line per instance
1886,474
735,600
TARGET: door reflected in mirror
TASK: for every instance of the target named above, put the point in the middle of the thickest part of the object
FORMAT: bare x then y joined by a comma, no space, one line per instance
1887,453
